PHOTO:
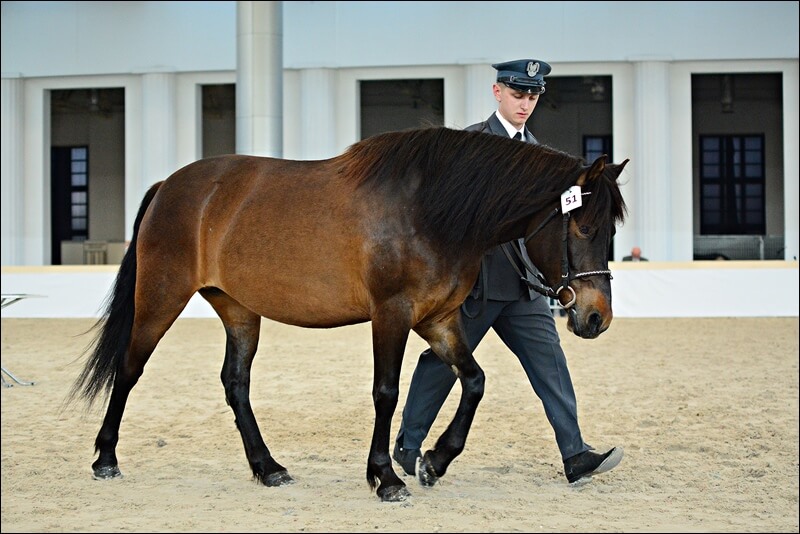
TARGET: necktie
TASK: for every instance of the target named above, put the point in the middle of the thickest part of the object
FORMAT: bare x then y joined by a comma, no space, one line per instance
518,136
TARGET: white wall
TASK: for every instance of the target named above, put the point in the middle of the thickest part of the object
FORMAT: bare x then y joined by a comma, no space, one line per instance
160,51
340,34
651,289
88,38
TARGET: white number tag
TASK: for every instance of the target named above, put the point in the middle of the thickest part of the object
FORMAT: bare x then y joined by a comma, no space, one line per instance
571,199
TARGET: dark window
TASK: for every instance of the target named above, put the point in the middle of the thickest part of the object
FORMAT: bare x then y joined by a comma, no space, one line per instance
392,105
69,188
595,146
732,185
79,193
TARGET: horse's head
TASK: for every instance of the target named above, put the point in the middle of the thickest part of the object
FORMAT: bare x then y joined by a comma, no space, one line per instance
571,247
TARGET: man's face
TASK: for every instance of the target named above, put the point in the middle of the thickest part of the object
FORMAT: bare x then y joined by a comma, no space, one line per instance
514,106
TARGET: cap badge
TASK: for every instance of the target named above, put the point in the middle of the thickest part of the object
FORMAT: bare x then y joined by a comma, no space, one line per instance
533,68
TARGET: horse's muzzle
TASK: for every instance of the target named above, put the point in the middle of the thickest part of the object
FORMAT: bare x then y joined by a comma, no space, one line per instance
588,327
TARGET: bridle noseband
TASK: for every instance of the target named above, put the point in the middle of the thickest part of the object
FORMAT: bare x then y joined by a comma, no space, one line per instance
566,277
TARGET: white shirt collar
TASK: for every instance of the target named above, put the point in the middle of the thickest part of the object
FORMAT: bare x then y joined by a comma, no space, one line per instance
509,127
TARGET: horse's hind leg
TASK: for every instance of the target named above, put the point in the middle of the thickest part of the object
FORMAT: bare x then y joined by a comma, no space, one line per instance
242,329
150,324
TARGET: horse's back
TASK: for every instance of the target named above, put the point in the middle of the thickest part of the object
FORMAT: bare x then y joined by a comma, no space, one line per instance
284,238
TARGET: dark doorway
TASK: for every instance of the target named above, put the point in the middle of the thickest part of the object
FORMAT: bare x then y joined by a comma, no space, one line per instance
574,114
87,171
219,119
392,105
737,129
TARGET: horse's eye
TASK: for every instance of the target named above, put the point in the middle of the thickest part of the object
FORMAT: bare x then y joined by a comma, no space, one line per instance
585,230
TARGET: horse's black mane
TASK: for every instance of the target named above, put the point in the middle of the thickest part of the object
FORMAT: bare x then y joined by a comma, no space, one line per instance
471,184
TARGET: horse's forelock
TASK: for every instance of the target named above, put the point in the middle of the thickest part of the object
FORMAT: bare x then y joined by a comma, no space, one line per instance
604,200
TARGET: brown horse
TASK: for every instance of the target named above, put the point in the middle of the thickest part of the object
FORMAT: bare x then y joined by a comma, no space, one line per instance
392,231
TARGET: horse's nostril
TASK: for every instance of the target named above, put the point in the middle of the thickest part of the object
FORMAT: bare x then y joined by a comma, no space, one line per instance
595,323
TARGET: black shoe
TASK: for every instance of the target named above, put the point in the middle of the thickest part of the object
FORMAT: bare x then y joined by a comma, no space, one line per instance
407,458
590,463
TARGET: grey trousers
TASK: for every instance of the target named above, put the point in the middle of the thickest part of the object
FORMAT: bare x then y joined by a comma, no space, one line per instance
529,330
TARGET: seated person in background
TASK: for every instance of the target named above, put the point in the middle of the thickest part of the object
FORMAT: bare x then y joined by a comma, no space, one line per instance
636,255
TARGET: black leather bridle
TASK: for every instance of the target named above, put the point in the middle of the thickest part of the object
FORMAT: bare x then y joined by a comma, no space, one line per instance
566,276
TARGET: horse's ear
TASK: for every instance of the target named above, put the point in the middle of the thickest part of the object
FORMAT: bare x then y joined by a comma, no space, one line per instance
617,169
593,171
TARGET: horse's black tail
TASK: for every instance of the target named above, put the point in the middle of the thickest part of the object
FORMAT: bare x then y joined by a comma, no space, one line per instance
111,342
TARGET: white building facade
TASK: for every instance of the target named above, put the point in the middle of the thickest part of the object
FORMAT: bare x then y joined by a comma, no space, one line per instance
297,68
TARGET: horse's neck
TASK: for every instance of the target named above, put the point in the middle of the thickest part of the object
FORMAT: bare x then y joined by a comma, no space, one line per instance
510,232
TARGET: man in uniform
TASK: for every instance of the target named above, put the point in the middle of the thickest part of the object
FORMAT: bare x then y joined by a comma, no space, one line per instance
521,317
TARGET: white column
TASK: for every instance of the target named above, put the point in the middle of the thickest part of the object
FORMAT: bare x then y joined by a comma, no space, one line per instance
159,127
791,169
11,171
34,231
318,113
624,135
259,78
480,102
651,203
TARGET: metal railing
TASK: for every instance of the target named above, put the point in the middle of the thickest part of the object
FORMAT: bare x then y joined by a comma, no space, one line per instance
739,247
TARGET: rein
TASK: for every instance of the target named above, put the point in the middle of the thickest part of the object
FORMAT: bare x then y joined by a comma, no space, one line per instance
566,277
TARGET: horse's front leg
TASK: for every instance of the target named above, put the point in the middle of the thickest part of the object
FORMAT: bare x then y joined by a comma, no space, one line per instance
447,341
389,336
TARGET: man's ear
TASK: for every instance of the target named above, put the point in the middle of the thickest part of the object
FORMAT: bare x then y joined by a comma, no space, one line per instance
496,91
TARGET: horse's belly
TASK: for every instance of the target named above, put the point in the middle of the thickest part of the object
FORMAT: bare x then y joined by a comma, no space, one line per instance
317,302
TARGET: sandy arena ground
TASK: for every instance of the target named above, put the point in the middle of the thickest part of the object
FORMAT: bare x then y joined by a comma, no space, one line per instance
706,409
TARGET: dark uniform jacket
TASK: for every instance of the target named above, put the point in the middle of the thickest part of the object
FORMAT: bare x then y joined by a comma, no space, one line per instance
502,281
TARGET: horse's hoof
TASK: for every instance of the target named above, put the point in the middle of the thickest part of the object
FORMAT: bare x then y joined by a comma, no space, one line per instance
106,472
279,478
425,473
394,494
